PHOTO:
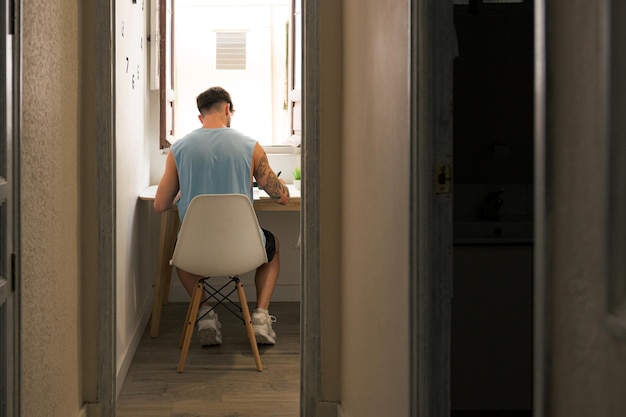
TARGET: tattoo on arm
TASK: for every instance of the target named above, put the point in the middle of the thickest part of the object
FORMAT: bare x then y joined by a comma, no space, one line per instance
274,187
268,181
261,170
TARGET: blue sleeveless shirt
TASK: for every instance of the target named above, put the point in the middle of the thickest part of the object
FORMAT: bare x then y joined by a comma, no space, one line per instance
213,161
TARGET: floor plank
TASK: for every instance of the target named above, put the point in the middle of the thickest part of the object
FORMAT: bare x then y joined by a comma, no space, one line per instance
218,381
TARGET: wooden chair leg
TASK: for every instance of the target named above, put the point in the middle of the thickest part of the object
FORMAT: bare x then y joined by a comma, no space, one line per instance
249,329
190,324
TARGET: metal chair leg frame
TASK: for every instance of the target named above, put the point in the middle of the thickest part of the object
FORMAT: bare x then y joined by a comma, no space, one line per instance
224,300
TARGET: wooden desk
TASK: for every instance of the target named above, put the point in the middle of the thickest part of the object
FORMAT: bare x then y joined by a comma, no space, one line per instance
170,224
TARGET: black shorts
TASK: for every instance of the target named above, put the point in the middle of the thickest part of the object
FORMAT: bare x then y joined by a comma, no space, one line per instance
270,244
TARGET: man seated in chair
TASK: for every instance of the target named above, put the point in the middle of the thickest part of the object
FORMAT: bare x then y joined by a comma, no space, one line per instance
216,159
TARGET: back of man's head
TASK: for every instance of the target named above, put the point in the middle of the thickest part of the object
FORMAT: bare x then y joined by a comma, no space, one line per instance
211,99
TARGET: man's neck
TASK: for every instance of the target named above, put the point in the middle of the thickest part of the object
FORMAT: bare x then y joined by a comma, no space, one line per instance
213,125
214,122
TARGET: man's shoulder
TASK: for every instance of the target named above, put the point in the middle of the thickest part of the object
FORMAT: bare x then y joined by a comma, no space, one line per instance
239,134
242,139
192,134
201,136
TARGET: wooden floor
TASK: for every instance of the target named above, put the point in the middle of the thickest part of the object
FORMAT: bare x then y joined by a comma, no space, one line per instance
218,381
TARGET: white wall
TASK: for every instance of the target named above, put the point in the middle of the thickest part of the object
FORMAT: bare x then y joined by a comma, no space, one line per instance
586,361
375,217
133,120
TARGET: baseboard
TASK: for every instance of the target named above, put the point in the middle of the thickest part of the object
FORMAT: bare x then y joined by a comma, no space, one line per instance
328,409
129,354
90,410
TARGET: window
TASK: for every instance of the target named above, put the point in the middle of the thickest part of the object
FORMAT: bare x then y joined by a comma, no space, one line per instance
247,48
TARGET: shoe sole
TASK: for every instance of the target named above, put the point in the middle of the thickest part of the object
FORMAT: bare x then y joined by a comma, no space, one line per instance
263,338
209,337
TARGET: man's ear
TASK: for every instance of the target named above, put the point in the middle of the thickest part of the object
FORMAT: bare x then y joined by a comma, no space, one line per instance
200,118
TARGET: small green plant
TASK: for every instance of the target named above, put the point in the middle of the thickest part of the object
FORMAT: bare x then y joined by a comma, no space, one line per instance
296,173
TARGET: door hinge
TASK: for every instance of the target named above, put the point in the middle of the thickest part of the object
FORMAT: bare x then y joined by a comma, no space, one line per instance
13,272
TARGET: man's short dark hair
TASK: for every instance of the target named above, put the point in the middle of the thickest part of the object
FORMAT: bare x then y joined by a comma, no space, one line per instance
211,98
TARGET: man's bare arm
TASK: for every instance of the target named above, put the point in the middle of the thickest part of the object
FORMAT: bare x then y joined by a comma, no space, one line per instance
168,186
267,179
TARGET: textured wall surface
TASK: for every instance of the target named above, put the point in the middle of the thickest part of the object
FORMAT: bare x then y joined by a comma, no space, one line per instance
50,250
375,259
588,361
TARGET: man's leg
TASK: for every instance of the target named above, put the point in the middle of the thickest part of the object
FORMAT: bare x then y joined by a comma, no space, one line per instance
188,280
265,280
209,327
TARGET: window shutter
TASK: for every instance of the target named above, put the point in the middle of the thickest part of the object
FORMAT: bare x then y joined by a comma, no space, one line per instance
230,51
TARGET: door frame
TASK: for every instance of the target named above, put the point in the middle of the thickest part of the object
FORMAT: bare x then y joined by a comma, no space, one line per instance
14,94
542,293
310,362
105,190
432,46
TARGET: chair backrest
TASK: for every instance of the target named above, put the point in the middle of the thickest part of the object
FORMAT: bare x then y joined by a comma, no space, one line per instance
219,236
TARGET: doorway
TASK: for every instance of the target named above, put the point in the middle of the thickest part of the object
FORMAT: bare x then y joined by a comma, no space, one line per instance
492,307
287,242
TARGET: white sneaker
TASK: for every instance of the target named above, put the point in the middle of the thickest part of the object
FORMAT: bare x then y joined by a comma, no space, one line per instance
209,328
262,324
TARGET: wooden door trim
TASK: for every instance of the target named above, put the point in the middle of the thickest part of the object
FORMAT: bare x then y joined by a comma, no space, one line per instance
105,148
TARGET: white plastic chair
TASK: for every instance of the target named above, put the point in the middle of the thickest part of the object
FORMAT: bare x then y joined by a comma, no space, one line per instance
219,237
